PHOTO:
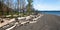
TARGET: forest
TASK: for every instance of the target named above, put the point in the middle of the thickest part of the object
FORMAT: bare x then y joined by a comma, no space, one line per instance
16,7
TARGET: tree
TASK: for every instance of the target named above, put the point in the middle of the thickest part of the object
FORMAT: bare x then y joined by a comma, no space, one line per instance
18,1
2,7
29,6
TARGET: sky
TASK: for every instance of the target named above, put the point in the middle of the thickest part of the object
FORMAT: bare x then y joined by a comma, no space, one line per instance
47,5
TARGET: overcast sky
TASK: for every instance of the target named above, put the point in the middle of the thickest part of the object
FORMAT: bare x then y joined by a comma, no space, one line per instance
47,5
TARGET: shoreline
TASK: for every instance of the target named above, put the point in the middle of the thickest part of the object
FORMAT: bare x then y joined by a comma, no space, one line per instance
9,21
46,19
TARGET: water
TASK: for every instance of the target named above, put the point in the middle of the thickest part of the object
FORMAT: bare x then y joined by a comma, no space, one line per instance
51,12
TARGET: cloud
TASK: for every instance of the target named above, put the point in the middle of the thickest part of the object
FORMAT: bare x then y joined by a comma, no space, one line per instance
47,5
42,7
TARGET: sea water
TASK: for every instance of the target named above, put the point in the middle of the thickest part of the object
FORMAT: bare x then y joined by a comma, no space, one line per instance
51,12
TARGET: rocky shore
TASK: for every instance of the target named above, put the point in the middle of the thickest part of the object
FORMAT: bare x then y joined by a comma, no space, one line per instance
46,22
20,21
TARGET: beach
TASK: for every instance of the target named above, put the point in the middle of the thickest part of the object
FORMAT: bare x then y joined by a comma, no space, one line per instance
46,22
10,24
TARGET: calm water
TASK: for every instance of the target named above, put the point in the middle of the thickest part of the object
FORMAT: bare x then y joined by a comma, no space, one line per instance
51,12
